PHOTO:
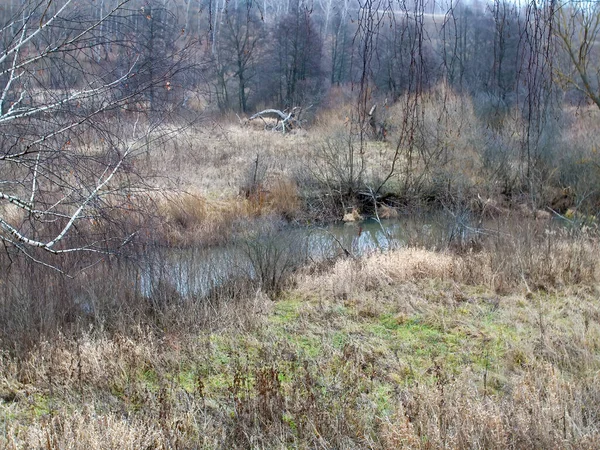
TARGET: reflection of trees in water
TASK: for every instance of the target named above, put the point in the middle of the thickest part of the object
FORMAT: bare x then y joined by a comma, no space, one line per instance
266,260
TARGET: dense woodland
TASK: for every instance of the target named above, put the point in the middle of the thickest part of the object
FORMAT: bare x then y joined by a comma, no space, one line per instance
243,54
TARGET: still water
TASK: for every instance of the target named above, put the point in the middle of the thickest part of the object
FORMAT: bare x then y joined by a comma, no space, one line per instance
273,252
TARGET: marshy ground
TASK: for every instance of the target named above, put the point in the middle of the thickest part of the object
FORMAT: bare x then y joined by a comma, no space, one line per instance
155,291
407,349
486,338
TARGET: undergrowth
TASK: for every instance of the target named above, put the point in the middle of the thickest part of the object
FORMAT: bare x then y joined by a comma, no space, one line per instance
407,349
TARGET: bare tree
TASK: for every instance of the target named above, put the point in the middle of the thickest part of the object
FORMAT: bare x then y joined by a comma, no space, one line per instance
66,137
340,43
241,34
578,29
297,49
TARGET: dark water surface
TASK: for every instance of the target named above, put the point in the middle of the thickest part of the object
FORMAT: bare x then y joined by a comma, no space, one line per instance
271,253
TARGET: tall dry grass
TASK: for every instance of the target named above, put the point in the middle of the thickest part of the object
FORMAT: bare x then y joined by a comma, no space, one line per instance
487,341
276,377
324,367
449,149
184,219
536,256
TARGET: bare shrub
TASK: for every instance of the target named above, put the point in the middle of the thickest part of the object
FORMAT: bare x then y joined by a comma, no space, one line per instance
339,166
273,258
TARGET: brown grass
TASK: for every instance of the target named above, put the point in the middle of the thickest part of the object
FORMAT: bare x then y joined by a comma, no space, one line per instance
189,218
409,349
490,342
534,258
455,155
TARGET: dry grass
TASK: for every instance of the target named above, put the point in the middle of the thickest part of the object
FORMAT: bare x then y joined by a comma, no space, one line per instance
189,218
490,343
186,219
456,152
535,258
213,160
378,270
408,349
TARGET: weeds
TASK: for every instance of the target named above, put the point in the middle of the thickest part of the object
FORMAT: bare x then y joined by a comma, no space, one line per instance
484,337
412,348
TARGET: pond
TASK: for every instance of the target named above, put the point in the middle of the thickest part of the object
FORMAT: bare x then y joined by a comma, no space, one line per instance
270,253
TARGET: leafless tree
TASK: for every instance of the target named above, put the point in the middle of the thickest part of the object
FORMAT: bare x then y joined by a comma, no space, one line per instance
578,30
67,136
297,48
241,34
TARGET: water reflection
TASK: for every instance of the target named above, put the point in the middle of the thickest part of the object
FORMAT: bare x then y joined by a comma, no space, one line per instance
268,254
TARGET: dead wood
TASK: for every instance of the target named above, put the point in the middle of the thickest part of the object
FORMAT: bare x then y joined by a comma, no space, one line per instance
285,121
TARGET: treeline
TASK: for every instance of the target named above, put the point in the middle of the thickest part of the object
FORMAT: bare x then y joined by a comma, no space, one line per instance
248,53
516,68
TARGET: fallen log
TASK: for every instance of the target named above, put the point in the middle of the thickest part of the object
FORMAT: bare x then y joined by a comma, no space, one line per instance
284,120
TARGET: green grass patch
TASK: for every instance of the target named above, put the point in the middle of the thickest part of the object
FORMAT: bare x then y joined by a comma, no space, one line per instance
339,339
309,345
286,310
